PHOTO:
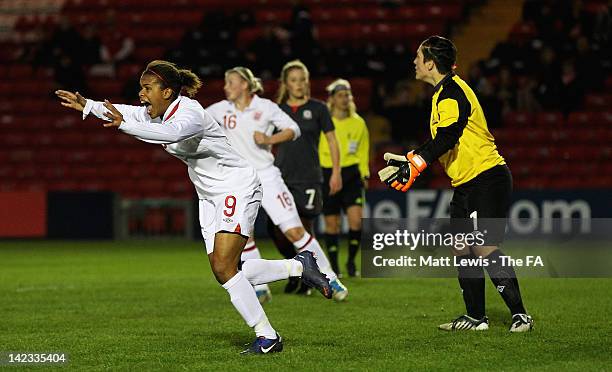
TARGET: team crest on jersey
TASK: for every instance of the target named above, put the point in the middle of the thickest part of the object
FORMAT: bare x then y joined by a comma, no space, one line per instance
307,114
257,115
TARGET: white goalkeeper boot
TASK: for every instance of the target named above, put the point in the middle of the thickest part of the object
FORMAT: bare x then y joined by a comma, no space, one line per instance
521,323
466,323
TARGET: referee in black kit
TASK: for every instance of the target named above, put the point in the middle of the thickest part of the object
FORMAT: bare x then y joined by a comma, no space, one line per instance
479,175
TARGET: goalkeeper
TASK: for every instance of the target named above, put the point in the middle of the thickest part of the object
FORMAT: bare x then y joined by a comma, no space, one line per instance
479,175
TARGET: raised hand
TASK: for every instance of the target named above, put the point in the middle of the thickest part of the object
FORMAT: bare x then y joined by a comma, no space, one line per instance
113,115
72,100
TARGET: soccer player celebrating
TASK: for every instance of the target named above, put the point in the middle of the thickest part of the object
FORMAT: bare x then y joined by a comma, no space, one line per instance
354,141
228,187
479,175
249,122
298,160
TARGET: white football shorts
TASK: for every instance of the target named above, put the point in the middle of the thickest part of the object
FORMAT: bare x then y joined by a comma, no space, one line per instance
277,199
233,211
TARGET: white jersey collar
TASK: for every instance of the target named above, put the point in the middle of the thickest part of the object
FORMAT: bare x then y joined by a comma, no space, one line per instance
172,108
252,105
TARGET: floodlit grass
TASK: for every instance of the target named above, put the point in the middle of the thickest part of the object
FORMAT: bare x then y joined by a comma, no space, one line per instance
154,305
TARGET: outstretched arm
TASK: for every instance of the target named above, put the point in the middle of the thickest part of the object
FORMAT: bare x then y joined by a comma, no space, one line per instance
77,102
183,125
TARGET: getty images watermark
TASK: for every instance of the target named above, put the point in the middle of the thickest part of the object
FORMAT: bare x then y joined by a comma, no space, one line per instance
437,247
458,241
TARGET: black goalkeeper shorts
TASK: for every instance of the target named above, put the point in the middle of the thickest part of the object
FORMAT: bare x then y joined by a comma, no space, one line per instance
482,204
352,193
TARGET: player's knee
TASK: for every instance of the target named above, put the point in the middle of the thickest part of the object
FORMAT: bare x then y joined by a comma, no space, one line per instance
355,224
332,225
295,234
223,270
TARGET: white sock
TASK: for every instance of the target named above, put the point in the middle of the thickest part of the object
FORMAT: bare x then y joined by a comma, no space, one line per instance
244,300
309,243
250,251
259,271
261,287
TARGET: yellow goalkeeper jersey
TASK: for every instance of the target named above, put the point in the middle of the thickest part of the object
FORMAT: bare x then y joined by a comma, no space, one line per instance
461,140
353,141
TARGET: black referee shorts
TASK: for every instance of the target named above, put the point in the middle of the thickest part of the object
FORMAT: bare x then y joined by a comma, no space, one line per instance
482,204
352,193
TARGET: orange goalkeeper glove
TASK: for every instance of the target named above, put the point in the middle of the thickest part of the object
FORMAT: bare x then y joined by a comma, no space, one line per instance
401,171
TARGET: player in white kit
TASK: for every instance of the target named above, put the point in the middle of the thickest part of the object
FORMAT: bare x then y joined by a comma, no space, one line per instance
227,186
249,122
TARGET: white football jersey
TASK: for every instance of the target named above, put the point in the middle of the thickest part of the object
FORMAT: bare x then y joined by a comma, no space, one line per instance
192,135
262,115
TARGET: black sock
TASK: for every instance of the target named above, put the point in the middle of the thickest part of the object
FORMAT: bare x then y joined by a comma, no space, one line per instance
504,279
472,283
354,240
284,246
331,241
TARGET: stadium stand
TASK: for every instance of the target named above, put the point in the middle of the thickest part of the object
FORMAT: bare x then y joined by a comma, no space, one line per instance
371,43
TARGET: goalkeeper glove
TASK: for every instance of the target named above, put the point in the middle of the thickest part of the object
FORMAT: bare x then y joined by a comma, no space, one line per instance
401,171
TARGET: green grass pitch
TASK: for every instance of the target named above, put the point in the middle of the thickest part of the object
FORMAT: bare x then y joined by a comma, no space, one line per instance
154,305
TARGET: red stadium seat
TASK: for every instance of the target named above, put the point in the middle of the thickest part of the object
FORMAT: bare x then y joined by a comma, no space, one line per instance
550,119
136,156
155,221
62,186
152,188
598,102
93,186
247,35
112,172
334,34
443,11
129,71
178,221
523,31
532,182
580,119
602,118
517,118
374,14
275,16
181,188
148,53
171,169
142,172
105,88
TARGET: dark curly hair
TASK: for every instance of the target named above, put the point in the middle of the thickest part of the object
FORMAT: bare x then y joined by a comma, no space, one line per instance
169,76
